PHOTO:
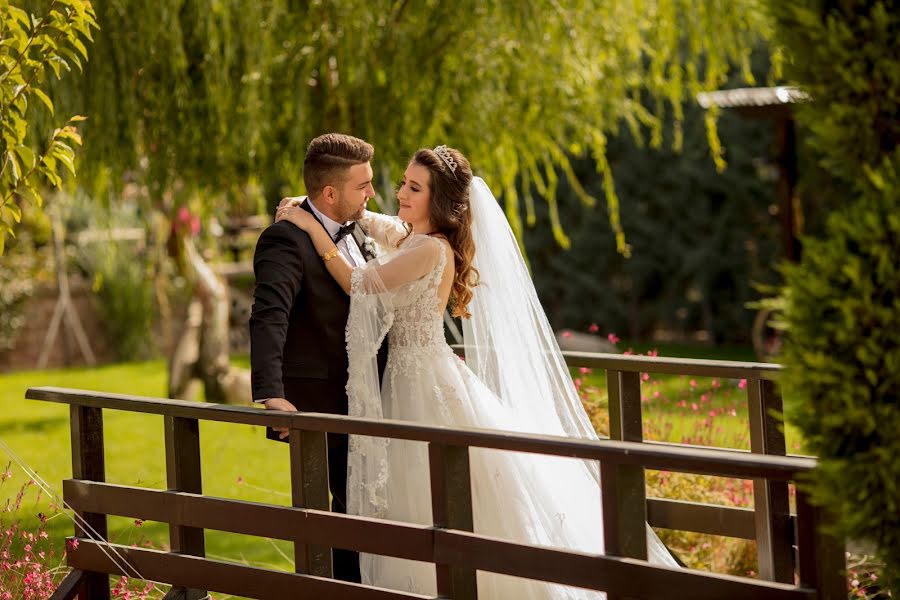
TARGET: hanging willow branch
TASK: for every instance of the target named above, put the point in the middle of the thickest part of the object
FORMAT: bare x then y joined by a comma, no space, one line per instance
218,92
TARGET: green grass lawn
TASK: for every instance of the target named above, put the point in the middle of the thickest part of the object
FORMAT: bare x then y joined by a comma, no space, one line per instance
238,462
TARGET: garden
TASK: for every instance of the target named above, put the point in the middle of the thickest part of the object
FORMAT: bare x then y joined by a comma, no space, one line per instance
144,147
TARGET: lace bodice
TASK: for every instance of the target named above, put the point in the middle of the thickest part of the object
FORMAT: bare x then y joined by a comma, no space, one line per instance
416,320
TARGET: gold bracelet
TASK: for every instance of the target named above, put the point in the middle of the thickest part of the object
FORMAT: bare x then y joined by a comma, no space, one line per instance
330,254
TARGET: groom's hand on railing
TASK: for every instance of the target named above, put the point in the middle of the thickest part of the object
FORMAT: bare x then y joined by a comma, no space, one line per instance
279,404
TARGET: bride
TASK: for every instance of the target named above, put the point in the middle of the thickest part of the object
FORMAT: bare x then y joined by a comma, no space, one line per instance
451,246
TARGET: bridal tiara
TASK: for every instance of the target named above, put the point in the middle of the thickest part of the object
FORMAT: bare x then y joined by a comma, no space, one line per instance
444,153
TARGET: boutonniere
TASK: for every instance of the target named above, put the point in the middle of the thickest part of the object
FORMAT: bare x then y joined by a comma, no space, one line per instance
369,247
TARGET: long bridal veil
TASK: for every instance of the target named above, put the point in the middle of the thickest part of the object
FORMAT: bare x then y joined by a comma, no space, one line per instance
511,347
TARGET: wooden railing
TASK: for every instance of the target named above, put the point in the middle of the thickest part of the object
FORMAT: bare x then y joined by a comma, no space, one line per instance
796,559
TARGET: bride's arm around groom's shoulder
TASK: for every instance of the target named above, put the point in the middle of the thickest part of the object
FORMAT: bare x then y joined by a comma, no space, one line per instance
418,257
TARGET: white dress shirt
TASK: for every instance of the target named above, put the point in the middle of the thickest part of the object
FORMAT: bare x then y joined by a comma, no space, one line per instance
347,246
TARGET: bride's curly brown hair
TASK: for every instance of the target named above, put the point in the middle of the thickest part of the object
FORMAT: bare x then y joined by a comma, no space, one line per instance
451,217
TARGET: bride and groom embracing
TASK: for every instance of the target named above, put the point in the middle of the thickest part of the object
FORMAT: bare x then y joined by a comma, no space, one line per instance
348,319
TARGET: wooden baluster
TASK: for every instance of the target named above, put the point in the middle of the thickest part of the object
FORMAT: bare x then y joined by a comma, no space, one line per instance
309,489
770,498
88,462
624,492
183,474
451,507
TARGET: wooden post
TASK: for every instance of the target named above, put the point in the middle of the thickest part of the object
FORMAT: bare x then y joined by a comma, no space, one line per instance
822,561
624,488
184,475
309,489
786,158
770,498
451,507
88,462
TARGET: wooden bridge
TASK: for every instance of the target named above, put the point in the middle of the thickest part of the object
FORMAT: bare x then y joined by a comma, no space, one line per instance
796,560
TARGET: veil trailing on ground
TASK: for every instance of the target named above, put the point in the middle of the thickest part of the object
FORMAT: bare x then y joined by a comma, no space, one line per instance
511,347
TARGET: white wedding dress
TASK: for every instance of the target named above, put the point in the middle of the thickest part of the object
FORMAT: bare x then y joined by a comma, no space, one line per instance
526,498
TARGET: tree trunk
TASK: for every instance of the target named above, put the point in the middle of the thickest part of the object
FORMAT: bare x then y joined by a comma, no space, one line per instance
202,352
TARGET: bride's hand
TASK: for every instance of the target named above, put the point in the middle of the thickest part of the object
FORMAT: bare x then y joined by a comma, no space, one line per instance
291,201
297,216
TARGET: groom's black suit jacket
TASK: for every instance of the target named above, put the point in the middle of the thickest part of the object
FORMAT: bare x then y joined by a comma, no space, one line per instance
297,321
297,347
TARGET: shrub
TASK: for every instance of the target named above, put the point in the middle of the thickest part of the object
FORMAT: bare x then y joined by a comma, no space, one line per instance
842,349
29,567
842,302
124,289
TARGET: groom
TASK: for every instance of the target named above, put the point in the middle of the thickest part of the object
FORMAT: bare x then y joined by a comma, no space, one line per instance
298,354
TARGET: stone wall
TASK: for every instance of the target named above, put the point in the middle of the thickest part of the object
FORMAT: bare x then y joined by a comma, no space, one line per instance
65,351
38,314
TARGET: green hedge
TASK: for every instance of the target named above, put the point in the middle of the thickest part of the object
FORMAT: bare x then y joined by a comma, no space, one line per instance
842,311
842,302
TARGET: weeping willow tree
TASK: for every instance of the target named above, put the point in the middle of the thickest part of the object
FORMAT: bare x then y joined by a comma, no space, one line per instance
215,94
210,98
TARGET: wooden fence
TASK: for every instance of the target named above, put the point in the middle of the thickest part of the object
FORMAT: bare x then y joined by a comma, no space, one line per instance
796,560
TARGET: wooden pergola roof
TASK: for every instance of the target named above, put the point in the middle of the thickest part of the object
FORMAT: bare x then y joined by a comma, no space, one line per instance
758,102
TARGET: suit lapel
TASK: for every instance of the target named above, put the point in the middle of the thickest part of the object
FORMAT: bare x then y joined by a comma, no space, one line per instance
359,236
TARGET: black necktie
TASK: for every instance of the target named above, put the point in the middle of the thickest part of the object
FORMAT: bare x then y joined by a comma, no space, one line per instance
345,230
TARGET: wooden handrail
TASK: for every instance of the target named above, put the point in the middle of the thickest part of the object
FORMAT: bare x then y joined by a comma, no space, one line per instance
664,365
669,457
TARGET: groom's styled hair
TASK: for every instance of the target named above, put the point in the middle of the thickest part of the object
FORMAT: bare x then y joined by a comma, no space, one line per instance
329,157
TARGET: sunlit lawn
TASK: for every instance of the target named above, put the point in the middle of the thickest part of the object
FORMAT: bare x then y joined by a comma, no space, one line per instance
238,462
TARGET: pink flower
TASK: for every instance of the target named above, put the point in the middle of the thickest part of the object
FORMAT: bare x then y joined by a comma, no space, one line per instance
594,328
645,376
712,413
613,338
693,383
694,406
584,370
185,220
742,384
